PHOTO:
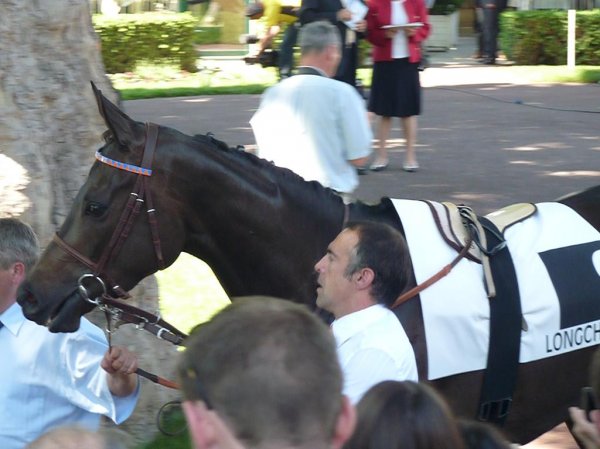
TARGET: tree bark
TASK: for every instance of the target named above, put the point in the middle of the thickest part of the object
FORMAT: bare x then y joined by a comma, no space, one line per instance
49,129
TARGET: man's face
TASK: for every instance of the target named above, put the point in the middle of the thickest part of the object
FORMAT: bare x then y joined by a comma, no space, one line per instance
10,279
333,58
334,286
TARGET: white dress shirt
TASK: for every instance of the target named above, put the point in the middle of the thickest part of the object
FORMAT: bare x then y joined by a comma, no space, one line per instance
49,380
314,125
372,347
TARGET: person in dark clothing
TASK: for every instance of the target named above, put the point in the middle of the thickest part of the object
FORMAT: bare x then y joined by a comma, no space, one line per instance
335,12
491,10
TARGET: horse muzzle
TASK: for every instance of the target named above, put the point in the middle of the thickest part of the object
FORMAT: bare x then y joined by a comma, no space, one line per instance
61,316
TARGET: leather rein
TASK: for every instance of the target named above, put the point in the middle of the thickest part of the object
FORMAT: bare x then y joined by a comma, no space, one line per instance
114,309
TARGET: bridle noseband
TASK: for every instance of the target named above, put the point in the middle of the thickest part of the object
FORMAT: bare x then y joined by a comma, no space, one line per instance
140,194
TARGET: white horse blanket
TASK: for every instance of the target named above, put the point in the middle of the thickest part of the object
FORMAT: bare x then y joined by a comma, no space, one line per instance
556,254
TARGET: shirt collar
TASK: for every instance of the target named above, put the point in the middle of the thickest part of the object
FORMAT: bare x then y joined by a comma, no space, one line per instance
13,318
307,69
349,325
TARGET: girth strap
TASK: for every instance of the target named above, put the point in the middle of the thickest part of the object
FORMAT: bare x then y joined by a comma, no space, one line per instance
500,375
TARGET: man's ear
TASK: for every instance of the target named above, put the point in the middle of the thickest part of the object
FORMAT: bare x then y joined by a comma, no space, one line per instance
364,278
18,272
346,422
201,430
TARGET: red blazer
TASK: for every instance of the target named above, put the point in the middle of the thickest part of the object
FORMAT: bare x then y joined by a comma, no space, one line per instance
380,14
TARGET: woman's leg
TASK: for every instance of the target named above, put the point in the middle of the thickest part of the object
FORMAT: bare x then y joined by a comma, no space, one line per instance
409,126
385,125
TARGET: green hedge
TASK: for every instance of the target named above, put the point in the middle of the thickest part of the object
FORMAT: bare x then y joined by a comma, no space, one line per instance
129,39
540,37
445,7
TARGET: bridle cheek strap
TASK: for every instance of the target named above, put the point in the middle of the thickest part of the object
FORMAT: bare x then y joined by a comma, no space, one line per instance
140,194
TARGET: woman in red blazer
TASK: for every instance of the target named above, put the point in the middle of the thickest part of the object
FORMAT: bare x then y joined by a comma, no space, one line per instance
395,87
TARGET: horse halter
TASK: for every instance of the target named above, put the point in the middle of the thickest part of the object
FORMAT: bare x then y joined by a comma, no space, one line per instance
139,195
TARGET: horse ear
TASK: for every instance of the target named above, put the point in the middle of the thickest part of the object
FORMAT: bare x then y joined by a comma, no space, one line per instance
127,131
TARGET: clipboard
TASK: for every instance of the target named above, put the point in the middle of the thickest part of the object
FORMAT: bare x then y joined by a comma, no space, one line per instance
405,25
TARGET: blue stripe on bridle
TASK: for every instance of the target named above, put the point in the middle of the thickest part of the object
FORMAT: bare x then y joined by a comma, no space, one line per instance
123,166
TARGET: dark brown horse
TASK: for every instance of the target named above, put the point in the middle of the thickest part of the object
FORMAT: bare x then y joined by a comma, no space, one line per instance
261,229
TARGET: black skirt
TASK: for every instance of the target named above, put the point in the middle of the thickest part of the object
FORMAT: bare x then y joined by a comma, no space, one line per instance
395,89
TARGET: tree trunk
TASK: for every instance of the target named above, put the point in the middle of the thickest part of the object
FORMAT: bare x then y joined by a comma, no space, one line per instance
49,129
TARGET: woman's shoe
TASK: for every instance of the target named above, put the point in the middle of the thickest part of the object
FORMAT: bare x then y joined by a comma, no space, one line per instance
362,170
379,166
410,167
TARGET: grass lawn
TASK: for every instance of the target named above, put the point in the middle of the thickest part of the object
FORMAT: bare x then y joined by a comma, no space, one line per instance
213,78
189,293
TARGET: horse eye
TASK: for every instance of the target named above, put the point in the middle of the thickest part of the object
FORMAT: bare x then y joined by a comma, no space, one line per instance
94,209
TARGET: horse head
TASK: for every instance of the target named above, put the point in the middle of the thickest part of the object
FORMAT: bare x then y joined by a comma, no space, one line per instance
110,239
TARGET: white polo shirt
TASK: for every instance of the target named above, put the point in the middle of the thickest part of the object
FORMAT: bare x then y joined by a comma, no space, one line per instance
372,347
314,125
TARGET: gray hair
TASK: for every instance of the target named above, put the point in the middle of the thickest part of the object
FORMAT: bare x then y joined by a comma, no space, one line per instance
18,243
316,36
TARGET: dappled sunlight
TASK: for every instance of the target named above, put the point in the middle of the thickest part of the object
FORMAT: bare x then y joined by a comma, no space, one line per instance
14,178
554,145
540,146
524,148
242,128
522,162
580,173
465,197
391,143
197,100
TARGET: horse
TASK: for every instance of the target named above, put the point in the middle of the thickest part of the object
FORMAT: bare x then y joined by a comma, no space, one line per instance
261,229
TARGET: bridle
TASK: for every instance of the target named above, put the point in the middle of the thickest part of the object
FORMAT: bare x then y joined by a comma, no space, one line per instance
140,194
113,308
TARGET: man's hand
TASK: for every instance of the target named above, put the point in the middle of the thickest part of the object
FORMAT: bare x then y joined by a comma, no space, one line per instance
121,365
361,26
588,432
344,14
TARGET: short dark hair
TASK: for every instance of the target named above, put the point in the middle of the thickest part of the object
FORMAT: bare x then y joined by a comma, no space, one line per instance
404,415
269,368
383,249
18,243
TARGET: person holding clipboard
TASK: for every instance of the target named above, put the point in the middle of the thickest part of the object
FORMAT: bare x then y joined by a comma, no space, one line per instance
349,18
396,29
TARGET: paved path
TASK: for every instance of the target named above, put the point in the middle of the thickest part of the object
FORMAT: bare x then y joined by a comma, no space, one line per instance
485,139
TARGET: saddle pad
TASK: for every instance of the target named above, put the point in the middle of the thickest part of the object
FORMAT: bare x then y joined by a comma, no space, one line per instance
556,254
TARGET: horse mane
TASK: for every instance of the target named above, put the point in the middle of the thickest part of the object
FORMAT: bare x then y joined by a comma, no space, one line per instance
291,179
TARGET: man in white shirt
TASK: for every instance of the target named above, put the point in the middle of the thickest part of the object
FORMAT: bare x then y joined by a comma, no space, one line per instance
49,380
312,124
365,269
